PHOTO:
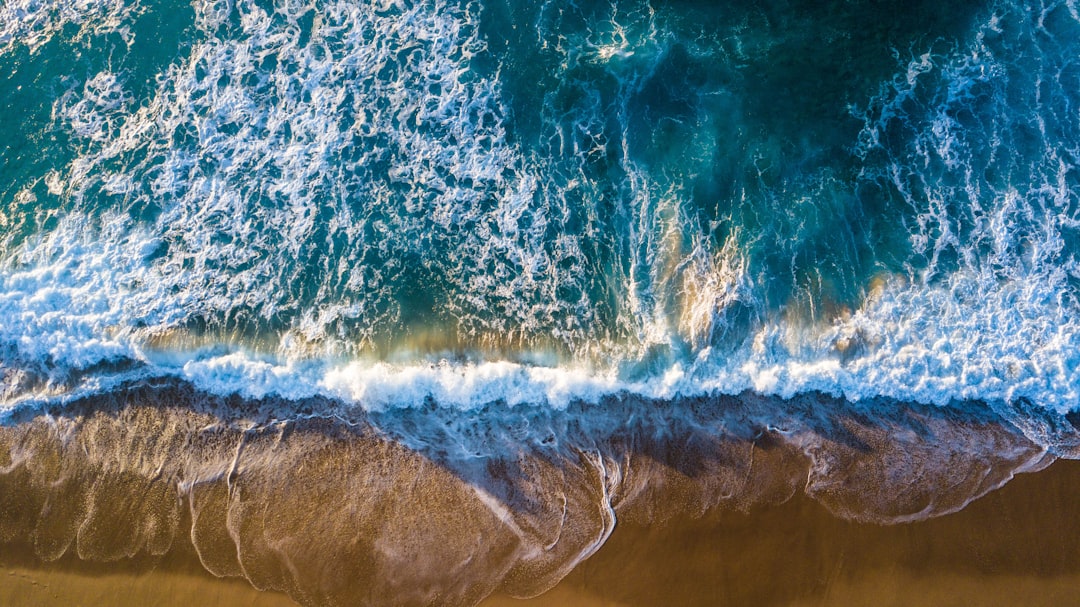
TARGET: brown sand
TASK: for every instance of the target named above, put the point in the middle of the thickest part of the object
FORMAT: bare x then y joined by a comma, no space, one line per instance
1019,545
175,580
1016,546
20,586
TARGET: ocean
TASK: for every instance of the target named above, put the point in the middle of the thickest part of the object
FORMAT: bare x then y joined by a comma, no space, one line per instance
410,302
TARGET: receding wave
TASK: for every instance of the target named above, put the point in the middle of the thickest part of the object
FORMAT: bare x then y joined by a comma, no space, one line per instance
427,504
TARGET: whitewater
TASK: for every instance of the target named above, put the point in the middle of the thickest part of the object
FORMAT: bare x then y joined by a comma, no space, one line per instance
257,217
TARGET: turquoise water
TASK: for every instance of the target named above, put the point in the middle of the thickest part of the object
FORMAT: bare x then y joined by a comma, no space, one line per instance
481,202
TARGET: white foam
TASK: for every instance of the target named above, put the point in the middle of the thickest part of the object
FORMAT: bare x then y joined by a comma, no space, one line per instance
254,163
925,344
243,199
378,386
65,303
917,344
33,23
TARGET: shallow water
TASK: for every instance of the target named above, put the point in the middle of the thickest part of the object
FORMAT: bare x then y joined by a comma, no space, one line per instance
429,505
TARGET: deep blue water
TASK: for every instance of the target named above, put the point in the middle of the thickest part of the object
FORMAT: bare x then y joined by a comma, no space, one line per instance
483,202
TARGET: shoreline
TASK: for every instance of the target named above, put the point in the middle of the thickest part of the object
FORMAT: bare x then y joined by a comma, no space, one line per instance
715,498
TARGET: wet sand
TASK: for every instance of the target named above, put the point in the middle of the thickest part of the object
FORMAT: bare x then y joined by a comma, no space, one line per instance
1017,545
33,587
174,580
142,496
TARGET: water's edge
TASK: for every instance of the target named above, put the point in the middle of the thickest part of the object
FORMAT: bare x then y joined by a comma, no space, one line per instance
430,504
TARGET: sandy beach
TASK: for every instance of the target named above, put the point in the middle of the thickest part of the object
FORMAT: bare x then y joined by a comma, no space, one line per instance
297,493
1016,546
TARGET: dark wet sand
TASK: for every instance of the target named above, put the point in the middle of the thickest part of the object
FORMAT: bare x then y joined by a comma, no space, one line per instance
1016,546
1019,545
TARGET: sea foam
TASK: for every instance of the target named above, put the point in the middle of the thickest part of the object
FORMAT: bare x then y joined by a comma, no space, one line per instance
296,181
